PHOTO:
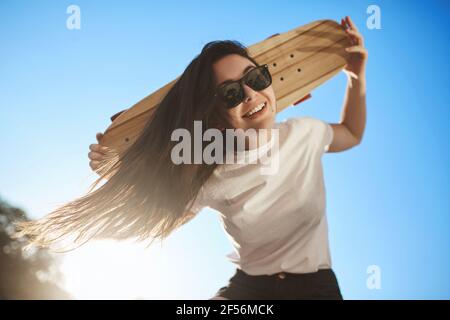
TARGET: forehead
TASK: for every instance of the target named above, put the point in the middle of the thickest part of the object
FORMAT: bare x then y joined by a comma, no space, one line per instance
230,67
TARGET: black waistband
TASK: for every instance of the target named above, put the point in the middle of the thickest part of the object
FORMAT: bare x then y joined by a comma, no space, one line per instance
283,274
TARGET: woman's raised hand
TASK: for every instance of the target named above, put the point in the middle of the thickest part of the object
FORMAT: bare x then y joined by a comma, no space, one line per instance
358,53
96,153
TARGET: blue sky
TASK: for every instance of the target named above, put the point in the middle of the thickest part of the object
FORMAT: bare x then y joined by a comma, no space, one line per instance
387,199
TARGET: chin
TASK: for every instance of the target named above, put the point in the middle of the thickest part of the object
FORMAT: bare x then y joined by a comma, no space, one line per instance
265,123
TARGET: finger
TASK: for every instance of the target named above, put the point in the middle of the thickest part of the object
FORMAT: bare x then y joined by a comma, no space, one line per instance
350,23
356,36
98,148
344,21
99,136
356,49
94,164
95,155
351,38
344,24
354,33
95,147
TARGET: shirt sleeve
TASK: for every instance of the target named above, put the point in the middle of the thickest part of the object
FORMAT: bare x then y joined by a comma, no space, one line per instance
320,133
328,136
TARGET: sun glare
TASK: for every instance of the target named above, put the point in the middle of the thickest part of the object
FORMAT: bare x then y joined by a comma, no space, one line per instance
117,270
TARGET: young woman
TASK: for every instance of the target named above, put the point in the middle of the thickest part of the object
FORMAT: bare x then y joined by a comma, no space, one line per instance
277,222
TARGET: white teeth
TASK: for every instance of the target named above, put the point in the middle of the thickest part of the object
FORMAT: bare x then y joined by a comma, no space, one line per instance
255,109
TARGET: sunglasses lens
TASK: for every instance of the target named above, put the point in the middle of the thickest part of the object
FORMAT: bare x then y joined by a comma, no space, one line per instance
232,94
259,78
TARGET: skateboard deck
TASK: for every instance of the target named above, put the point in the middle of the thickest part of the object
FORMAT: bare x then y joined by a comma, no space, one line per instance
299,60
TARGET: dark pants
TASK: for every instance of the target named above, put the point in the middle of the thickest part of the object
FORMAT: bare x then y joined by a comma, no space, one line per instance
289,286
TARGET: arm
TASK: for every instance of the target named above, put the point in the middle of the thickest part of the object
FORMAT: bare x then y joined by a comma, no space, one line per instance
349,132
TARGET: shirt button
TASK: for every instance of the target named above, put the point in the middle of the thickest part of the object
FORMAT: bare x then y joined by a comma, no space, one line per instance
281,275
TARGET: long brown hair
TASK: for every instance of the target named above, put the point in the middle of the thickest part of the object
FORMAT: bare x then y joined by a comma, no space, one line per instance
147,196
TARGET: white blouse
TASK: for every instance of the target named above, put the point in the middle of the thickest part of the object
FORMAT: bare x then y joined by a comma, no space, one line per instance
276,223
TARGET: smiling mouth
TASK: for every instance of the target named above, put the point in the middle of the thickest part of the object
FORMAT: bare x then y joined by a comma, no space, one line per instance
255,110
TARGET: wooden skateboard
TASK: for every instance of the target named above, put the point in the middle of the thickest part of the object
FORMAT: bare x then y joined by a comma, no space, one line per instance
299,60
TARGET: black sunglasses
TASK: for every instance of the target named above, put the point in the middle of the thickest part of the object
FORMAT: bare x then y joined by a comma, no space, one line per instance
232,93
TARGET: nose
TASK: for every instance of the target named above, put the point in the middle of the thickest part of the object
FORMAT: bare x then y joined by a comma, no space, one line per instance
249,93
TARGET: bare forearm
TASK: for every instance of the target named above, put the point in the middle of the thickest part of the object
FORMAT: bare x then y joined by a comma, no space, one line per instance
353,114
